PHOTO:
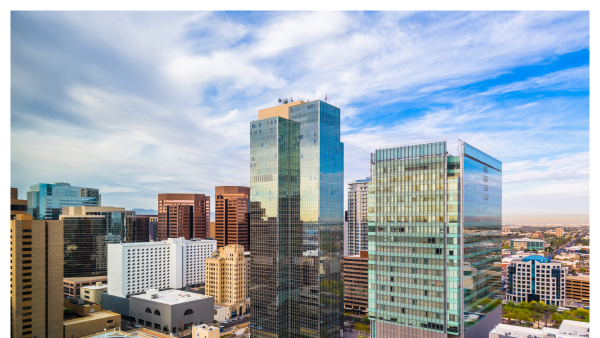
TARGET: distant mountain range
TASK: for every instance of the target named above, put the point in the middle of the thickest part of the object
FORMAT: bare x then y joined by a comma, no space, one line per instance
145,211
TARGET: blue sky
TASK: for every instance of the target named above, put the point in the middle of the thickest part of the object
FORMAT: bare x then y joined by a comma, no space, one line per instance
141,103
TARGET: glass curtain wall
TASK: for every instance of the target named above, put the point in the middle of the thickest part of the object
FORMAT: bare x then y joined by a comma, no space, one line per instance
275,226
407,248
319,311
482,230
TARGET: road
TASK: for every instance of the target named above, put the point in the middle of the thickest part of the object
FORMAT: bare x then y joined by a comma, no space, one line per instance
567,245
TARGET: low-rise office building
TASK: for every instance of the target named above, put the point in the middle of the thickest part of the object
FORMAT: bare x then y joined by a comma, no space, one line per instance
72,285
93,293
90,319
567,329
171,311
221,313
527,244
578,289
205,331
536,278
356,272
172,263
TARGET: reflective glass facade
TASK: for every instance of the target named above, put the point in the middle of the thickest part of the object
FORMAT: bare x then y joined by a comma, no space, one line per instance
434,234
313,293
45,201
275,227
320,307
86,237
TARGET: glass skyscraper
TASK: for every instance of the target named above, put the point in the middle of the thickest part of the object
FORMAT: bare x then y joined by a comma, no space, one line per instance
45,201
435,224
315,291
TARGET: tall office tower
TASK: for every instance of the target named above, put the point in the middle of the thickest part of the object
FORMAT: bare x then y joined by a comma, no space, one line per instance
316,291
36,277
137,228
355,270
435,224
559,232
227,278
45,201
17,206
87,231
357,216
183,215
275,227
232,216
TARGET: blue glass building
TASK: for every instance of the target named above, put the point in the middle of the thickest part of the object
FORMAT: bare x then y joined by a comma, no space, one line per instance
435,224
315,292
45,201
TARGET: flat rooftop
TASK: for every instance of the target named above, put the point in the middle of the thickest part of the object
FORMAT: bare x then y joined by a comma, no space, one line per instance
92,316
95,287
171,297
85,279
527,240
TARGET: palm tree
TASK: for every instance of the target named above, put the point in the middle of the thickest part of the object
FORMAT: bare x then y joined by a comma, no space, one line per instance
536,317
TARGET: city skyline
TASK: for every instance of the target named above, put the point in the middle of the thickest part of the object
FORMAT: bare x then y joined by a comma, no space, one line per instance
100,104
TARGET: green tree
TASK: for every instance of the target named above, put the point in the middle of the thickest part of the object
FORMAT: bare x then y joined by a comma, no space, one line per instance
582,270
557,318
507,308
523,316
524,305
536,317
581,313
365,319
511,303
511,315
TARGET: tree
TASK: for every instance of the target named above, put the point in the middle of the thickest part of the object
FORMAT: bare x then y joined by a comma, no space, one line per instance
582,270
365,319
511,315
523,316
581,313
557,318
524,305
536,317
511,303
507,308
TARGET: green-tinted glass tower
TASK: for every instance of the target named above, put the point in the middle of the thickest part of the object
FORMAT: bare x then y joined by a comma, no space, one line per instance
311,302
275,227
435,224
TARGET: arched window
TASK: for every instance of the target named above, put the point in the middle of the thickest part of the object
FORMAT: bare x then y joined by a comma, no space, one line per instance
188,312
148,310
156,312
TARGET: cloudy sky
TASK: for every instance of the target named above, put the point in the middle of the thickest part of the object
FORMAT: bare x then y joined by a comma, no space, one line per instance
138,104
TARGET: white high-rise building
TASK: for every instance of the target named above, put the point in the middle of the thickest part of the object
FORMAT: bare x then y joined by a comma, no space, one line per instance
172,263
536,278
357,216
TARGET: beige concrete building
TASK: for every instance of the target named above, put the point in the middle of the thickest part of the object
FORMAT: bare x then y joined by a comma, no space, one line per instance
212,230
227,279
17,206
578,288
36,273
205,331
559,232
72,285
90,319
93,293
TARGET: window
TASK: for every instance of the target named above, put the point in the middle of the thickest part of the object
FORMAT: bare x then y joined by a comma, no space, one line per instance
156,312
188,312
148,310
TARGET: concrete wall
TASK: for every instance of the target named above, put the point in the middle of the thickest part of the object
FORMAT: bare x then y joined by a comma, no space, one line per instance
173,315
116,304
95,323
116,270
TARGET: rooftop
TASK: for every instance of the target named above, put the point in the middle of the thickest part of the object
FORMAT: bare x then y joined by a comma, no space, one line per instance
95,287
516,331
167,241
527,240
92,316
171,297
536,258
85,279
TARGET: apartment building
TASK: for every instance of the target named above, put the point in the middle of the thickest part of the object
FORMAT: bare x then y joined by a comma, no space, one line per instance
227,279
172,263
527,244
36,273
357,216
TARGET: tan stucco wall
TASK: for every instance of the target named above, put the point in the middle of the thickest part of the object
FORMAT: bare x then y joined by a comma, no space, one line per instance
97,322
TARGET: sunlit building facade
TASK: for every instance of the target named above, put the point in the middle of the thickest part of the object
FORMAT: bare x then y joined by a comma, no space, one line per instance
316,246
357,216
434,236
45,201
